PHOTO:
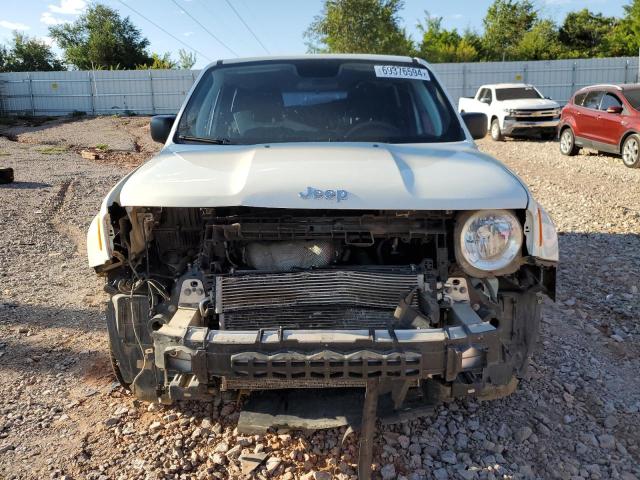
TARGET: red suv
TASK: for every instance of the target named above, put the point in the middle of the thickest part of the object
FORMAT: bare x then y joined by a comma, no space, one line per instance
605,118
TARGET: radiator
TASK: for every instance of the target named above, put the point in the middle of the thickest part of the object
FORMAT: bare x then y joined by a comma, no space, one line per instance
312,299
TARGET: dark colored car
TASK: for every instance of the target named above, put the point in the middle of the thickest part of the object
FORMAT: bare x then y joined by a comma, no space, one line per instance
605,118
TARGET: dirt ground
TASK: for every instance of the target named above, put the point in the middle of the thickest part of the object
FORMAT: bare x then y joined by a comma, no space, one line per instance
62,416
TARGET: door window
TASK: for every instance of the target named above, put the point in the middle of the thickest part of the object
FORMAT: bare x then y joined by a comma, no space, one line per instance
593,99
579,99
485,95
610,100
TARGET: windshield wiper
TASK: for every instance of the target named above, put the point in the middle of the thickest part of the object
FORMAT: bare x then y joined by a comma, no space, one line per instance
213,141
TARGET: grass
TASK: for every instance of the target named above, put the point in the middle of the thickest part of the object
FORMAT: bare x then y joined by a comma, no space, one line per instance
103,147
53,149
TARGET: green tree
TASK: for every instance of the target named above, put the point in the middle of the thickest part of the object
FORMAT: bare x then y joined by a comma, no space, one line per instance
159,62
539,43
439,45
584,34
186,60
505,23
100,38
28,54
359,26
624,38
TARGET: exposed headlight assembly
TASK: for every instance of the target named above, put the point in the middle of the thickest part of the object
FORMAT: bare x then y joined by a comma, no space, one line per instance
488,242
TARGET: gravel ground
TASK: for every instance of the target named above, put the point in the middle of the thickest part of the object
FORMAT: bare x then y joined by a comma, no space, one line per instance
61,415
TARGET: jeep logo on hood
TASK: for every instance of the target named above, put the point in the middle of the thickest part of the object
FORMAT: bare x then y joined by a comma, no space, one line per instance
317,194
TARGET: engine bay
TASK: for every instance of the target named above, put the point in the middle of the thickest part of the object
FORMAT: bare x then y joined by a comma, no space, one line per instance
247,268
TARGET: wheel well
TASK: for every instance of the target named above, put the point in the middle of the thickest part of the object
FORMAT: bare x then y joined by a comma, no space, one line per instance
624,137
563,128
494,117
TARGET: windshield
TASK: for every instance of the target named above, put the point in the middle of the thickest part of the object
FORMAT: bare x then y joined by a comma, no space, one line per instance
516,93
633,97
318,101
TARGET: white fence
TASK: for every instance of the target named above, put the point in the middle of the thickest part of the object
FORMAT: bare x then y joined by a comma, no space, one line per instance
162,91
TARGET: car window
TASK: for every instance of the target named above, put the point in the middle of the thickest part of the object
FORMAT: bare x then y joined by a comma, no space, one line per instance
481,93
593,99
579,99
516,93
610,100
318,101
486,95
633,97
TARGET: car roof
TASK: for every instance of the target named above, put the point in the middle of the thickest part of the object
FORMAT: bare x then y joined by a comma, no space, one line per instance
508,85
321,56
621,87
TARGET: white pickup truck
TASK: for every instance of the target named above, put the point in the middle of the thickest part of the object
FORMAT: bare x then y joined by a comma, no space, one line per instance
514,109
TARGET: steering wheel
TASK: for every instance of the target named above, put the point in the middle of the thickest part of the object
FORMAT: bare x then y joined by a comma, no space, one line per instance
374,128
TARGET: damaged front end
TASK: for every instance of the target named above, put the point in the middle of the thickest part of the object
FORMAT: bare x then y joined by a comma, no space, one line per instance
205,299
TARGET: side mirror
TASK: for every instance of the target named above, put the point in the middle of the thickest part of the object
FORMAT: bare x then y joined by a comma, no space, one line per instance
485,100
614,110
476,123
161,127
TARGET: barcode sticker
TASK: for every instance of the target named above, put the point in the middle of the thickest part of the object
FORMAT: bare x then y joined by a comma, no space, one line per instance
394,71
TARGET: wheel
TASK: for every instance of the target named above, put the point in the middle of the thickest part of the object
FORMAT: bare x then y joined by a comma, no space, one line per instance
567,143
496,134
116,370
6,175
631,151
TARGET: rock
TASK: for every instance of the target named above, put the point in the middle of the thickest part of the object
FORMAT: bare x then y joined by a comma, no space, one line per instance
441,474
581,448
611,421
404,441
315,475
234,452
110,422
6,448
272,464
388,472
218,459
248,463
466,474
448,457
617,338
155,426
607,442
222,447
522,434
503,432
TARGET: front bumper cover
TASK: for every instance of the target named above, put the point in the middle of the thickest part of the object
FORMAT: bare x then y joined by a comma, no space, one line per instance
512,125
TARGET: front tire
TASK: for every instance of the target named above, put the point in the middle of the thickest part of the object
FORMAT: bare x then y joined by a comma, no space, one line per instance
568,143
631,151
496,133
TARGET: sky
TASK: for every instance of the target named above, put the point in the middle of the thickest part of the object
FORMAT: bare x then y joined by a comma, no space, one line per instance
213,28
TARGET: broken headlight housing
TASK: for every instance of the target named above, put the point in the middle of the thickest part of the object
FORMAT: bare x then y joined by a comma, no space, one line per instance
488,242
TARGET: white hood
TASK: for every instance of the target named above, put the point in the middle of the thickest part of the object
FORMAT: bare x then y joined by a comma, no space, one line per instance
530,104
384,177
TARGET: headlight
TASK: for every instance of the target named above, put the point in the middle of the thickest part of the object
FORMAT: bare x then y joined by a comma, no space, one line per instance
488,242
510,111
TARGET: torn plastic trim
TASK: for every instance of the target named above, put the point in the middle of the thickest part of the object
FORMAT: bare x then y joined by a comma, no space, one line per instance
101,234
541,236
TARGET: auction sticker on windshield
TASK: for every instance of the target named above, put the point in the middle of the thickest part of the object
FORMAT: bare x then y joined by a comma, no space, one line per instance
394,71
